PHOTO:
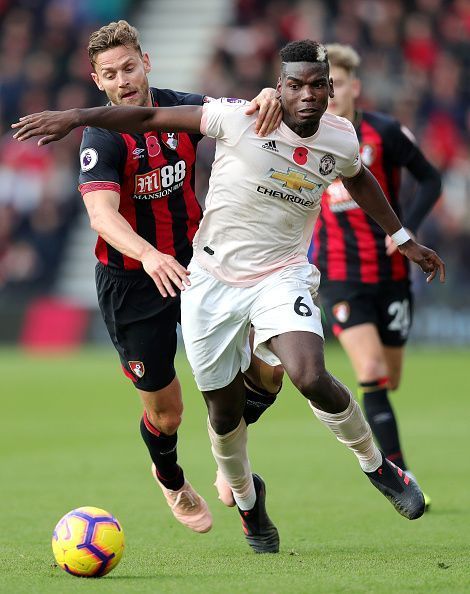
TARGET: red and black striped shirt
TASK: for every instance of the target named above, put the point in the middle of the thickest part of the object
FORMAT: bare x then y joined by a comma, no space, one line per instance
154,176
348,244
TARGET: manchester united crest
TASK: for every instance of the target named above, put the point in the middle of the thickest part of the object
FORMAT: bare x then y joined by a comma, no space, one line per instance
327,164
137,368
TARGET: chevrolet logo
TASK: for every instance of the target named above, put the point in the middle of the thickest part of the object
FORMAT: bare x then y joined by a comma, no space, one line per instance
294,180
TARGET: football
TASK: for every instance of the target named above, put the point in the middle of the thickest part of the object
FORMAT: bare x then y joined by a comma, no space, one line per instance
88,542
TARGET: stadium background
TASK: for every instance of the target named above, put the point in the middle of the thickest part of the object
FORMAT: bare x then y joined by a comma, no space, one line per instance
416,66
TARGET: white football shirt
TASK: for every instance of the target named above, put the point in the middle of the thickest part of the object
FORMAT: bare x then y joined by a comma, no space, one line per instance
264,193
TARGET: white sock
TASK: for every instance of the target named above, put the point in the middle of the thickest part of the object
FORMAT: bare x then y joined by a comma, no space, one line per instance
352,429
231,455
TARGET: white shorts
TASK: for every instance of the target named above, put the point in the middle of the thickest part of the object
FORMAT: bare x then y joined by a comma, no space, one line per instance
216,319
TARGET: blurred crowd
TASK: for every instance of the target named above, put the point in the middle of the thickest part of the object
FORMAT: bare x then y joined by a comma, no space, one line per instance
415,65
43,65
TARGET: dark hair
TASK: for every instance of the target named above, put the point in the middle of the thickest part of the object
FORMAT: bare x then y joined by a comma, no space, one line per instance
113,35
304,51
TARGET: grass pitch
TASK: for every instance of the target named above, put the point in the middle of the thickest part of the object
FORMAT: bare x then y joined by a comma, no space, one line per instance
69,437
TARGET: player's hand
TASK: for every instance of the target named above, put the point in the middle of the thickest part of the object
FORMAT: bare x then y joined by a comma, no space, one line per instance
391,246
270,111
165,272
427,259
50,125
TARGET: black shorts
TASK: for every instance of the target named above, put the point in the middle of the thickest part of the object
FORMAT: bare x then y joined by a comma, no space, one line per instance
141,324
387,305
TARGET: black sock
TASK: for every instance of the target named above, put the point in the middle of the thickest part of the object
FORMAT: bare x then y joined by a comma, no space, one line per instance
258,401
385,475
162,450
381,418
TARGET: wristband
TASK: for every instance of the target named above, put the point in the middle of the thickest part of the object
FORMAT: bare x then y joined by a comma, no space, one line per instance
400,237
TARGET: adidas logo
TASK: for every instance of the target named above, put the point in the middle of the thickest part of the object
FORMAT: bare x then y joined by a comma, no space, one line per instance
270,146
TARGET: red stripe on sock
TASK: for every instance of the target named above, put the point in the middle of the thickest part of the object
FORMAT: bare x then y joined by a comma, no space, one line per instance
167,478
149,425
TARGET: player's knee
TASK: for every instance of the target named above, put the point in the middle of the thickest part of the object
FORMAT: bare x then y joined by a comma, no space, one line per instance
223,422
372,369
271,378
393,383
308,379
167,422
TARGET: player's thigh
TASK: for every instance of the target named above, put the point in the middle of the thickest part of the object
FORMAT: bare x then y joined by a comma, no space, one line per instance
215,324
302,356
142,326
395,313
285,304
364,348
351,311
261,374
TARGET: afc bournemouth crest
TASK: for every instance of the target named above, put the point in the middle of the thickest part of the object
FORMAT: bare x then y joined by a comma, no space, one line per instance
368,153
171,139
327,164
137,368
341,311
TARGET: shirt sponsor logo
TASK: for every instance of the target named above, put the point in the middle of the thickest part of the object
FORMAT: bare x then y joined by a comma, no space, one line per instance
160,182
294,180
327,164
338,198
289,197
88,159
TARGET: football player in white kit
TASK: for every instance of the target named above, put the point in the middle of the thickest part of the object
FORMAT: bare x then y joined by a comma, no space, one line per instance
250,265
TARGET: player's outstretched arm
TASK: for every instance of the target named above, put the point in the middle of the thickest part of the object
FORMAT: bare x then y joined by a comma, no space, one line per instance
103,210
54,125
366,191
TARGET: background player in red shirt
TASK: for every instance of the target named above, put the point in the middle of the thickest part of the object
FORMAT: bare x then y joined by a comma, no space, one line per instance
139,193
365,289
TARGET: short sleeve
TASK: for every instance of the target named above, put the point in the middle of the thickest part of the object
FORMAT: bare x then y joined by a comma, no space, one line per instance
102,157
221,118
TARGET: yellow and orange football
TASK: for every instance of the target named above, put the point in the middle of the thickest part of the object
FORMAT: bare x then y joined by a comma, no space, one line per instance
88,542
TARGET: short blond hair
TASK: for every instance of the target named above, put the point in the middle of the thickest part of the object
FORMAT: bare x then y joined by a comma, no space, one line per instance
113,35
343,56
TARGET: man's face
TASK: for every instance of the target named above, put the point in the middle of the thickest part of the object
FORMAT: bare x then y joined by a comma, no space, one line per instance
347,89
304,88
121,72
